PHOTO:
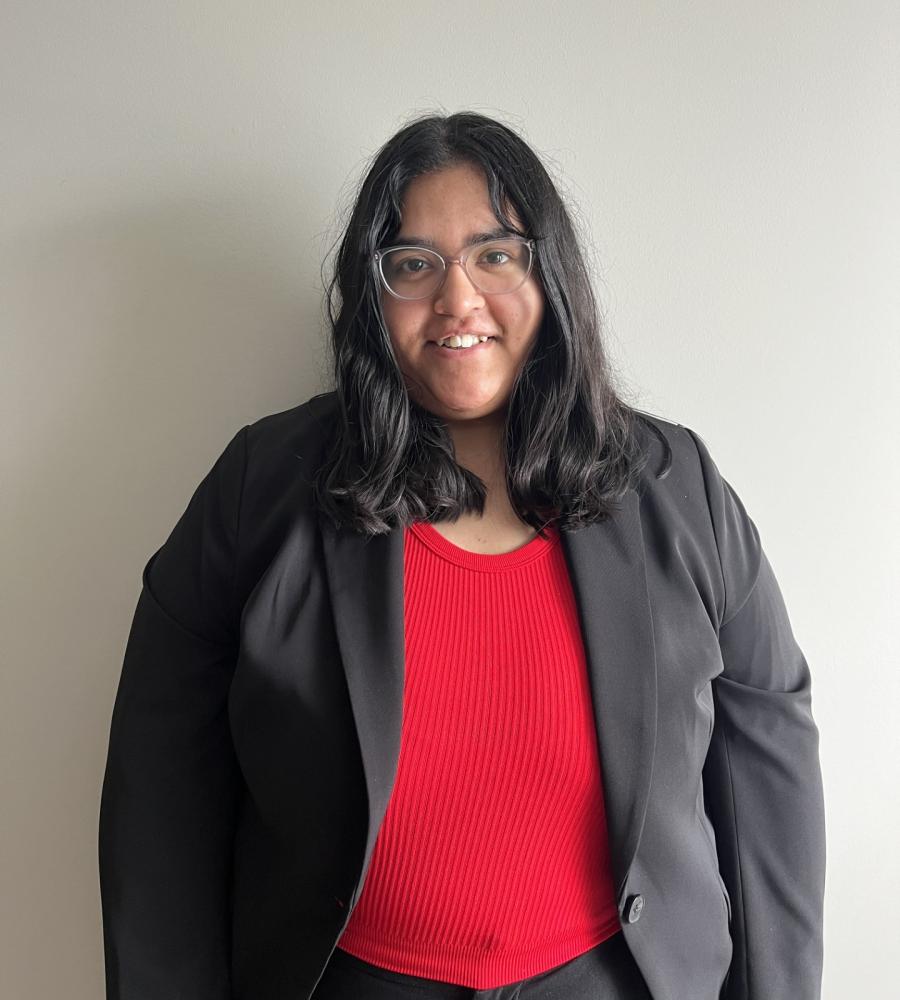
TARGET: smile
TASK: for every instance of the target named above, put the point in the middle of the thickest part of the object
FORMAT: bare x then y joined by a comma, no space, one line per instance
462,344
462,340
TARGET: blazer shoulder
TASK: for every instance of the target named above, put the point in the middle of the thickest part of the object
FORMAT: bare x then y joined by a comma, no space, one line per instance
679,469
303,428
285,450
689,492
667,444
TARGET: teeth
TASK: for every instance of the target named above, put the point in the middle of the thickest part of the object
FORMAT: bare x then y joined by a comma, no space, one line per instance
467,340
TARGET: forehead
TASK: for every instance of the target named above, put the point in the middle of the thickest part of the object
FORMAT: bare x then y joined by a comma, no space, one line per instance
448,207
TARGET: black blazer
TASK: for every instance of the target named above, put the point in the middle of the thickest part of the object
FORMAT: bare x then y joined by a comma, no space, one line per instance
256,732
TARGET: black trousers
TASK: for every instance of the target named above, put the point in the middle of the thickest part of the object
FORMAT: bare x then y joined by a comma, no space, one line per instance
606,972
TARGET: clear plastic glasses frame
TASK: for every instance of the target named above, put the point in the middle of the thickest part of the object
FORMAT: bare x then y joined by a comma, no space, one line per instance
379,255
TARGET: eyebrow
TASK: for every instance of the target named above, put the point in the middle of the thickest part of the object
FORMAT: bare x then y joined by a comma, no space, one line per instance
471,240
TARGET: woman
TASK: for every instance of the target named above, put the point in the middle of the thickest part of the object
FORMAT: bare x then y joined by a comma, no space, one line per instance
465,679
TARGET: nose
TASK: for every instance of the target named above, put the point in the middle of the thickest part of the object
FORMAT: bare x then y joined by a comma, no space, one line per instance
457,296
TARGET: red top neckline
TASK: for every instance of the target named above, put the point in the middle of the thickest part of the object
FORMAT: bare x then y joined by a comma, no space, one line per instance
483,562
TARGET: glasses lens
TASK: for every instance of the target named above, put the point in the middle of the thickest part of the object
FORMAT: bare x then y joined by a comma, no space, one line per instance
412,273
500,266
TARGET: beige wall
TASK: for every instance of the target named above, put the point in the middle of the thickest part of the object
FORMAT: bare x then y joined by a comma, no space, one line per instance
172,175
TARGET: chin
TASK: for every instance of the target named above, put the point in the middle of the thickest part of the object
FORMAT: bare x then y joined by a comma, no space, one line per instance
458,408
475,411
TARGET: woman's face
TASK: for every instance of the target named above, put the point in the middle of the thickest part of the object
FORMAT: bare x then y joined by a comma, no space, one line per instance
447,208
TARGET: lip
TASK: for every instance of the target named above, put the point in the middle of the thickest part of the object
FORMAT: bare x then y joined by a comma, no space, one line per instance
462,333
459,355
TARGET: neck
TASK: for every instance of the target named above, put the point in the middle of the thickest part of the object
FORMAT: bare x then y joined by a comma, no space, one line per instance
478,445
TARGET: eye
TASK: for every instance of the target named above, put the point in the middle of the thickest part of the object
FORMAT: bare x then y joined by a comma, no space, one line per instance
494,257
413,265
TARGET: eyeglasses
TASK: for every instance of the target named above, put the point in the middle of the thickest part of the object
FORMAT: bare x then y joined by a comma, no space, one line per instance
495,268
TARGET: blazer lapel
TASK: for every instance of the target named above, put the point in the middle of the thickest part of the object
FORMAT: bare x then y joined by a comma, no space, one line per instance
365,579
606,566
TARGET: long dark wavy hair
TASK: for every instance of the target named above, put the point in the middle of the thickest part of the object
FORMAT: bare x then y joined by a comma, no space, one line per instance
572,447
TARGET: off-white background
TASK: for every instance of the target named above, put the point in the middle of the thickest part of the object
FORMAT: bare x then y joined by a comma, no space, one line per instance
173,175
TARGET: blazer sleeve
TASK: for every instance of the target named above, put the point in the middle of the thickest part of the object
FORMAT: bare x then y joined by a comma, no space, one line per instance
168,800
762,778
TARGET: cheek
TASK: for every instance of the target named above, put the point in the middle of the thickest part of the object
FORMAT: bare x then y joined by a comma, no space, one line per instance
524,317
404,329
535,297
400,317
538,312
388,313
393,322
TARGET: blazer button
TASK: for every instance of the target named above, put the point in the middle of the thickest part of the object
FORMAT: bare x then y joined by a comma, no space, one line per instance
633,907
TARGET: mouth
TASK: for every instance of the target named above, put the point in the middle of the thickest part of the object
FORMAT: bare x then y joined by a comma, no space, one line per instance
462,342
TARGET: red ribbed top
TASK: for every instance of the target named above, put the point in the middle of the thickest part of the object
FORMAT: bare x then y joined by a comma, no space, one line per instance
492,864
